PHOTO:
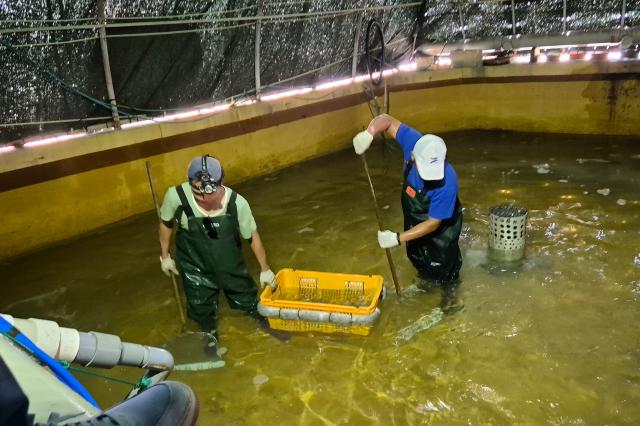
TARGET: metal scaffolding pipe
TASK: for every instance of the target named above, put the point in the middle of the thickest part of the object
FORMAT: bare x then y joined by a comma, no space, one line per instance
354,62
513,17
464,35
257,49
105,62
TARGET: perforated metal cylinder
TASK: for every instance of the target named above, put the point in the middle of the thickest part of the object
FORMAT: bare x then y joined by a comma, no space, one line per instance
507,230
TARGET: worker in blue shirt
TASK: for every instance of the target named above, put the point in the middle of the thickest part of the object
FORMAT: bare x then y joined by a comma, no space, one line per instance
430,204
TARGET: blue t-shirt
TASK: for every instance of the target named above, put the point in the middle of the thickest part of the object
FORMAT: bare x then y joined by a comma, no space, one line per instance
442,198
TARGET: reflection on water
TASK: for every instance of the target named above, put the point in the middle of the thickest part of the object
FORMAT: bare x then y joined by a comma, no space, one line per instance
552,339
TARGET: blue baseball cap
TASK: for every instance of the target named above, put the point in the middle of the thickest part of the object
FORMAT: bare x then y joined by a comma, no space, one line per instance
213,168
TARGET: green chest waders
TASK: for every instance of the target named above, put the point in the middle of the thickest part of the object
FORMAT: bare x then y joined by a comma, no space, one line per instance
210,261
436,256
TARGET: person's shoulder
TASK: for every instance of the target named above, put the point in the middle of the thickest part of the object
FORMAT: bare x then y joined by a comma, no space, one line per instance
242,206
170,202
184,185
451,179
407,136
172,191
240,200
406,130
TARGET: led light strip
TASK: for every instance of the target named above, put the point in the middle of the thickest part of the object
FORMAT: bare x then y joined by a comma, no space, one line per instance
442,60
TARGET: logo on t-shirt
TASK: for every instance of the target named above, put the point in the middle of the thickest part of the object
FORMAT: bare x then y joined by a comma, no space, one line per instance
410,192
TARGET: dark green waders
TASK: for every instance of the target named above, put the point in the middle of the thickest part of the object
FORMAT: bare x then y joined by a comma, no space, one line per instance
436,256
208,265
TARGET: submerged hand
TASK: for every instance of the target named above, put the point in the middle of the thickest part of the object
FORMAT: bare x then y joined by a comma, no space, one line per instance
168,266
388,239
362,141
268,278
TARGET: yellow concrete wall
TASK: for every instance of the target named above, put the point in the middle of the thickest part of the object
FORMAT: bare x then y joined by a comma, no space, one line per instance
582,107
40,214
576,107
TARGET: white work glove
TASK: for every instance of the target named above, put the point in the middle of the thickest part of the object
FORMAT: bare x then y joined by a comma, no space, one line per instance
388,239
168,265
268,278
362,141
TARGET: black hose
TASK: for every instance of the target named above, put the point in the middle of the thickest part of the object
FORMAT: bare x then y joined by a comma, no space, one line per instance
374,28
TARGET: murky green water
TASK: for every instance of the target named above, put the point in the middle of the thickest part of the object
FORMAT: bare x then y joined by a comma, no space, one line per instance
552,341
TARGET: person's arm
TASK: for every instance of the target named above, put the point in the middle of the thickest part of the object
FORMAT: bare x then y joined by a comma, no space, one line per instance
164,235
165,231
267,277
441,207
249,231
384,123
420,230
259,251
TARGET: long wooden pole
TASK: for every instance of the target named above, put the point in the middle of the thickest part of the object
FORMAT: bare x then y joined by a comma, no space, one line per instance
378,217
154,194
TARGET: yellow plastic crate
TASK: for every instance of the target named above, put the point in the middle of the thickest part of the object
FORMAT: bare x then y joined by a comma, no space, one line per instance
322,301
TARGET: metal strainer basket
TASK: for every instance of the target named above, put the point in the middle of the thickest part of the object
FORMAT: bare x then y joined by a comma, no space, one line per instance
507,229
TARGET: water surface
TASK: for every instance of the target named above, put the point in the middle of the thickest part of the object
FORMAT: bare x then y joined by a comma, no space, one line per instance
551,340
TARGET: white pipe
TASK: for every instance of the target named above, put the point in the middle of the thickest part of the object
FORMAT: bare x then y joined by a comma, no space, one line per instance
631,35
58,342
90,349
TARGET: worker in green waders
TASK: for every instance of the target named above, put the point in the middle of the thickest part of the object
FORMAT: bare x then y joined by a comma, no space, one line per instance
430,204
212,220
